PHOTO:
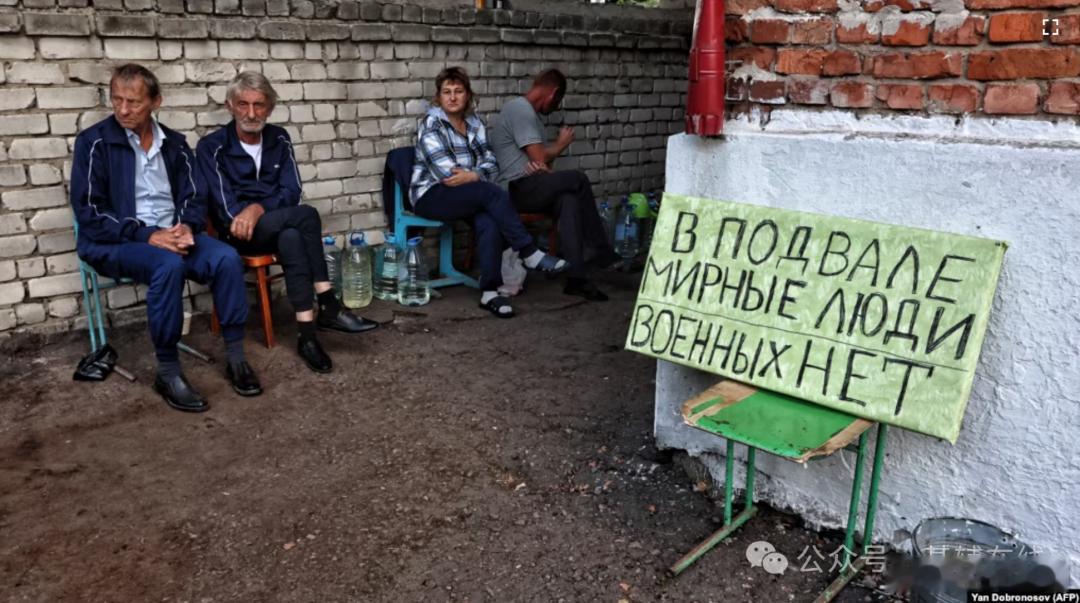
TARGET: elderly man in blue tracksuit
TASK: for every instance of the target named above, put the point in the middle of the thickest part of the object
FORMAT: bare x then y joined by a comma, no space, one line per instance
140,206
255,195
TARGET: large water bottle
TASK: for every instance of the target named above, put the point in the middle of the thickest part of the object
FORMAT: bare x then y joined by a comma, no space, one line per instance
332,255
608,216
412,276
639,204
650,222
626,232
386,273
356,273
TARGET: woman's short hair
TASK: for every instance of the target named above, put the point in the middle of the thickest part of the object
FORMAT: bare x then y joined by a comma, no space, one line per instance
455,75
251,80
133,71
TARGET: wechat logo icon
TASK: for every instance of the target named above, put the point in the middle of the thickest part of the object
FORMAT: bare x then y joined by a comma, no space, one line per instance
763,554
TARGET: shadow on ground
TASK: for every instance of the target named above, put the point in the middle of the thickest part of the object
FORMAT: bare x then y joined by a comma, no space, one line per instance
449,456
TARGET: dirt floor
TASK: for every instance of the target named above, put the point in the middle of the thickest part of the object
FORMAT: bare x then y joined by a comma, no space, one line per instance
449,456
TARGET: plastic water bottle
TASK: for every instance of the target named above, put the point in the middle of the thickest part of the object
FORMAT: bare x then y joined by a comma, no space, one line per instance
332,255
412,276
626,232
356,273
619,232
386,274
608,216
648,223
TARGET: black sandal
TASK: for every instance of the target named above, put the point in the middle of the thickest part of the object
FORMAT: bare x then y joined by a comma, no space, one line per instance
496,304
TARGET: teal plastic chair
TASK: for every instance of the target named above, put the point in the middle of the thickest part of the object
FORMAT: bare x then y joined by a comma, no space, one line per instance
92,286
91,291
404,220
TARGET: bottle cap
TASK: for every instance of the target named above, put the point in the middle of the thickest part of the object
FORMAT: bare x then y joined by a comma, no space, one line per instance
413,242
356,238
328,240
390,238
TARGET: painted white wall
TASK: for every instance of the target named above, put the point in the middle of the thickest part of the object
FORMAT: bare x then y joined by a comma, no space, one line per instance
1017,462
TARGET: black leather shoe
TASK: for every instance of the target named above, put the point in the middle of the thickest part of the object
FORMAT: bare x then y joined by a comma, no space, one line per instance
179,394
314,356
345,322
607,259
242,378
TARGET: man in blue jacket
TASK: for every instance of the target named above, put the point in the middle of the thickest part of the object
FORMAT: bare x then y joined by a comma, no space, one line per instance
140,205
255,192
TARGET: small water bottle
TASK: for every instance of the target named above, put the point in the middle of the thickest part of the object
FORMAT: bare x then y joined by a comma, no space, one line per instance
332,255
626,232
608,216
386,273
618,233
356,273
412,276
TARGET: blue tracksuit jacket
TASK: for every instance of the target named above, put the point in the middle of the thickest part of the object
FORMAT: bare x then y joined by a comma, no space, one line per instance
230,178
103,187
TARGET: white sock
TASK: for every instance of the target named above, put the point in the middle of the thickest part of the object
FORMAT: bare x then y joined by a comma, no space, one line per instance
534,259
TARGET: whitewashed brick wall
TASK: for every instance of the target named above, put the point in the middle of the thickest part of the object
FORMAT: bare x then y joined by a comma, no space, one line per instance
352,77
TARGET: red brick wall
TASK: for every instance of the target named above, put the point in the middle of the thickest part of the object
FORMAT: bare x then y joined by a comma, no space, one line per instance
993,57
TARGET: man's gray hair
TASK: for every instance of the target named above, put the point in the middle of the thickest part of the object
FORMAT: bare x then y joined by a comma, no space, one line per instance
250,80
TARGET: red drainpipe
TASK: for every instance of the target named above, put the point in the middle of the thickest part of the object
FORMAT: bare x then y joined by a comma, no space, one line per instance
705,93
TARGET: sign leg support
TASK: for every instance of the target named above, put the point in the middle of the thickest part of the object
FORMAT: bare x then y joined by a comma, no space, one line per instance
730,523
851,569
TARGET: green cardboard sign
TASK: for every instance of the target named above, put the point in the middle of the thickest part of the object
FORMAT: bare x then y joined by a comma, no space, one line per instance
880,321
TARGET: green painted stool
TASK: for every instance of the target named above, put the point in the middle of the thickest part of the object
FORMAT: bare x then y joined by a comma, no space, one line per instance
792,429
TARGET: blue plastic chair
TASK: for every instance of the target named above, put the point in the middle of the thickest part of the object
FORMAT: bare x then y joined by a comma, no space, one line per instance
404,220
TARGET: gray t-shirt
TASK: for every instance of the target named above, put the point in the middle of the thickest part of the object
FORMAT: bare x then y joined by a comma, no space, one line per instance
516,126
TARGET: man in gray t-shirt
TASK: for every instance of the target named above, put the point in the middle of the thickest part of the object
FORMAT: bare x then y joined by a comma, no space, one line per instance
515,127
516,136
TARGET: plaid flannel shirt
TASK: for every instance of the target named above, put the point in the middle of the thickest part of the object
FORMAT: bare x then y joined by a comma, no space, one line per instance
440,148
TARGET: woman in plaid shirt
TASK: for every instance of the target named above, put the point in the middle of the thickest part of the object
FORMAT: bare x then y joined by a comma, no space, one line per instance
453,178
